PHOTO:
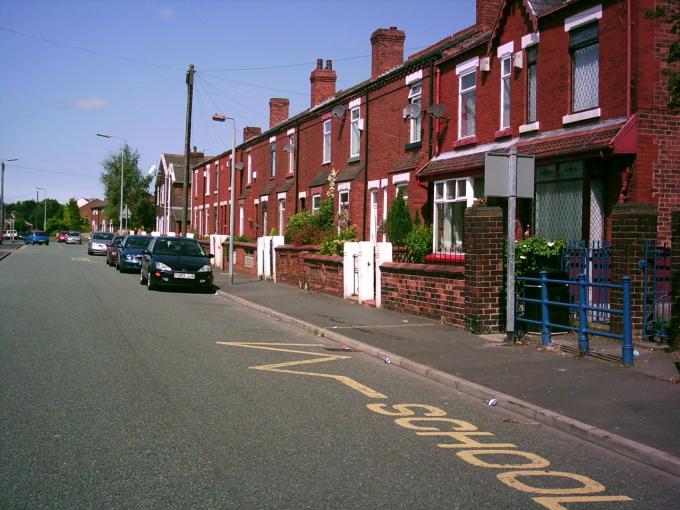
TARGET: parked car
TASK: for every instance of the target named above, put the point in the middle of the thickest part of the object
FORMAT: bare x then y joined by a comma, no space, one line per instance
37,237
112,250
97,242
10,234
130,253
73,238
176,262
61,236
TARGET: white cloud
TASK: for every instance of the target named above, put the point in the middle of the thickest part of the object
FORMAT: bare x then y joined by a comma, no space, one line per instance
91,103
165,14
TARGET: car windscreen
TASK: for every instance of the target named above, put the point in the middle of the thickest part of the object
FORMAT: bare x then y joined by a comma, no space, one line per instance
102,237
39,233
180,247
74,234
137,242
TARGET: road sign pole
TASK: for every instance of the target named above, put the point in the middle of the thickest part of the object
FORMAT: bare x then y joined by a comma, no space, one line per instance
510,277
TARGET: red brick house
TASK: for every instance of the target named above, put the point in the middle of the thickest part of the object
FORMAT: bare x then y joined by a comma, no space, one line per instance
169,185
93,211
575,83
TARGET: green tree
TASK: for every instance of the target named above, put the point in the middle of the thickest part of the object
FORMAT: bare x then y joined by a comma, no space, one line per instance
671,16
398,221
135,185
143,213
72,219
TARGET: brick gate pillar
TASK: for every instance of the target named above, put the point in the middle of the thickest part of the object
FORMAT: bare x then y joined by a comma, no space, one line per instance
483,244
674,332
632,225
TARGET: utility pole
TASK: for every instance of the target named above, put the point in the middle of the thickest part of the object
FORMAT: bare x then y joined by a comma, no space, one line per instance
187,149
2,194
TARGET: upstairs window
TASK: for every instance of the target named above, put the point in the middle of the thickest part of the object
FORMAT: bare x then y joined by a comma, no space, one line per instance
585,55
272,149
415,124
355,132
506,68
249,162
532,57
206,180
291,154
467,104
327,141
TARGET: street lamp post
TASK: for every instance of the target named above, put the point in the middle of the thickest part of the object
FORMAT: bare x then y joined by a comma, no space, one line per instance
217,117
2,193
122,147
37,199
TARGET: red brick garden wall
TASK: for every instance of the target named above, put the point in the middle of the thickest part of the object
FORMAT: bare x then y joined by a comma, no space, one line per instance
324,274
428,290
246,258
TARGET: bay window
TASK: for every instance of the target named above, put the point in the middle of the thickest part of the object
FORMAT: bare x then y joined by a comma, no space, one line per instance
451,198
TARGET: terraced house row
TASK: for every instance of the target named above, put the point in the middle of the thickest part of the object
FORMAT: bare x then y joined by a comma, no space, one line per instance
576,83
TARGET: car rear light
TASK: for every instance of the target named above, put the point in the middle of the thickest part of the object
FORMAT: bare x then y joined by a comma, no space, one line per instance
157,273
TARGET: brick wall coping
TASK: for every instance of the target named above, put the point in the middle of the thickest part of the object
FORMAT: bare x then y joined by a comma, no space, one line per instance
329,259
447,271
297,247
242,244
634,208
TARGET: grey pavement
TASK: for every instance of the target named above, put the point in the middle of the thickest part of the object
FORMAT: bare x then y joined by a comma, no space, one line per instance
633,411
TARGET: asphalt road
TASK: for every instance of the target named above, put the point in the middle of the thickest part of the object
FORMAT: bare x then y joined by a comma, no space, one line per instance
112,396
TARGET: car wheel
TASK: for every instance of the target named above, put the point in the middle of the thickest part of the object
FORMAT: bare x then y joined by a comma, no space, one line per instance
89,252
149,285
142,280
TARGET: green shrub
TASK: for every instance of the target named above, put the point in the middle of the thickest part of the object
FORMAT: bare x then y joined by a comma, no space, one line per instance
398,221
418,243
336,245
533,254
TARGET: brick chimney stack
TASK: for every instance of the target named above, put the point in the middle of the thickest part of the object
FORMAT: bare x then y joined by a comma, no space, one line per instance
387,50
323,82
487,11
278,110
251,132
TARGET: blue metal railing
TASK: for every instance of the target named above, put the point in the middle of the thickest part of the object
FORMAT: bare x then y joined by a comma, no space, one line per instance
581,309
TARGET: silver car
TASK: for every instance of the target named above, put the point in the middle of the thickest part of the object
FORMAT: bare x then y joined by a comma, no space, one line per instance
98,241
73,238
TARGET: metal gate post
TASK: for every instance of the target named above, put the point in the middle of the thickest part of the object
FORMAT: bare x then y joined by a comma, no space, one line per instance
627,348
583,343
545,311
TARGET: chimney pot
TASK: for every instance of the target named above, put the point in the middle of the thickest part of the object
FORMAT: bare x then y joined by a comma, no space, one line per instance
323,82
329,64
319,63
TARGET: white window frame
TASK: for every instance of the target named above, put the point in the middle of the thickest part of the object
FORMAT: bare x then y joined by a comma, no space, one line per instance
291,154
355,132
316,201
241,219
403,186
341,194
272,152
282,214
326,141
249,162
206,180
581,20
506,81
532,80
415,96
445,197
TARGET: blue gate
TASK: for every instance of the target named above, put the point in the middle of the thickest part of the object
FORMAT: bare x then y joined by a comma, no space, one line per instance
593,260
656,274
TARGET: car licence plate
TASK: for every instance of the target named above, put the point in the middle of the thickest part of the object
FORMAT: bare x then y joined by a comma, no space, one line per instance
186,276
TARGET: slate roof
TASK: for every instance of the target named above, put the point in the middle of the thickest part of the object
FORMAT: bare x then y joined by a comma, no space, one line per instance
319,180
562,142
541,6
349,174
284,186
268,189
407,162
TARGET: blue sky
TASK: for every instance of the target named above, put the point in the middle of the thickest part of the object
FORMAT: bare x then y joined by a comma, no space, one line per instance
71,69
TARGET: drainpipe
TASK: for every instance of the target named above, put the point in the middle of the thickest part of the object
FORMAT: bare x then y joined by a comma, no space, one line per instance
297,165
436,120
627,173
366,131
629,60
430,123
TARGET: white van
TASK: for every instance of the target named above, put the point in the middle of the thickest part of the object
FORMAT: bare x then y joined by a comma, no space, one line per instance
9,234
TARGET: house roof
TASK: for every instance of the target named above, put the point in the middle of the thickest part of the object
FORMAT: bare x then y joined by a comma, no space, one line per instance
284,186
349,174
320,179
561,142
268,188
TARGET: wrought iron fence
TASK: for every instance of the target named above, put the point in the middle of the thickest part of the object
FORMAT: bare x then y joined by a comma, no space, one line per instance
593,260
656,274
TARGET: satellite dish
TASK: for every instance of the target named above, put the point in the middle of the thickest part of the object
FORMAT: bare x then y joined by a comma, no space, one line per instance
289,147
413,111
238,166
437,110
338,111
152,170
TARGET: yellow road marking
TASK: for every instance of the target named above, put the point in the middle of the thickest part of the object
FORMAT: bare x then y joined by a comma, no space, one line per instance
553,503
321,358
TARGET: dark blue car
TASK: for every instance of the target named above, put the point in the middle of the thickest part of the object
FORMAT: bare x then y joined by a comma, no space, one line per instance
37,237
130,253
